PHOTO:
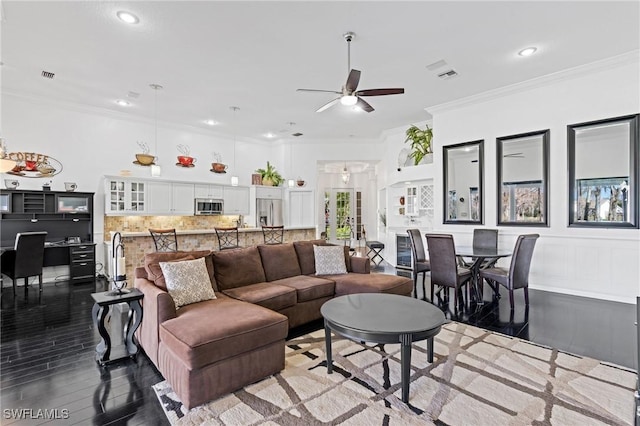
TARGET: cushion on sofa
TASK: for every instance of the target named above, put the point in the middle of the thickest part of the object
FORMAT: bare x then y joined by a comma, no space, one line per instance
238,267
207,332
371,283
308,287
306,259
154,272
187,281
279,261
329,260
268,295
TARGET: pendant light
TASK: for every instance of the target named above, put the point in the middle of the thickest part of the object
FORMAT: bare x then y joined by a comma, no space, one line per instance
291,182
345,175
234,177
156,170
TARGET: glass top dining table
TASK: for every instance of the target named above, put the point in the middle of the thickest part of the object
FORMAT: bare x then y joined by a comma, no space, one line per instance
479,255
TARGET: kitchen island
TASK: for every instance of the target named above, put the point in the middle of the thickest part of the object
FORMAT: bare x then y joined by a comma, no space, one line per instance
138,243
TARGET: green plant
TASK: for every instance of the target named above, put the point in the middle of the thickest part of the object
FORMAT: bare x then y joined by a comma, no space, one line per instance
420,142
270,174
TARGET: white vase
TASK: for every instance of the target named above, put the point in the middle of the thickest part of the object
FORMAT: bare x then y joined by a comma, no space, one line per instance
427,159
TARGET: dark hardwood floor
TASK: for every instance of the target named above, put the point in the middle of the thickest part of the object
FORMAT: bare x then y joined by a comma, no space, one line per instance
47,350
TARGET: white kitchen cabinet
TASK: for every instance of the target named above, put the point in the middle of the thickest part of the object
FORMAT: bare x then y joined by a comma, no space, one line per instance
209,192
411,201
271,193
125,196
170,198
236,200
301,208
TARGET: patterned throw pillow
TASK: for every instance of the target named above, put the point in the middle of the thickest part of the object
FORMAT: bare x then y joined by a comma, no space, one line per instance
187,281
329,260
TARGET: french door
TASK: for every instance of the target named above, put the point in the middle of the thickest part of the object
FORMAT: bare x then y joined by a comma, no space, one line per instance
343,215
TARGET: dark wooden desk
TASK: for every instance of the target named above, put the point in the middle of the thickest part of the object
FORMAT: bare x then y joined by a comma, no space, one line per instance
81,258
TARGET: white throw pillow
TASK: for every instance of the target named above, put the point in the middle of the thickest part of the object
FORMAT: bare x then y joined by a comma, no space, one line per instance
187,281
329,260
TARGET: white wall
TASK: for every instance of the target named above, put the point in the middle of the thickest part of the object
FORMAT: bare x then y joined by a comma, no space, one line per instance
602,263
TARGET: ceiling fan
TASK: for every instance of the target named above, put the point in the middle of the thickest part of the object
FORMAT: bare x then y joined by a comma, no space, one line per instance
349,96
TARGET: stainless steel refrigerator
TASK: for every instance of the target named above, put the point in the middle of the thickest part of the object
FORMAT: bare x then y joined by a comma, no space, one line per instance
269,212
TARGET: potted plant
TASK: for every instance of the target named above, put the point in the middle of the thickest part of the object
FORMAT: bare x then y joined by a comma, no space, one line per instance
420,142
270,176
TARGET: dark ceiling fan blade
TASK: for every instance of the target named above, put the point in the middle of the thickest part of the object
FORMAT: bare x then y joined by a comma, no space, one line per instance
380,92
364,105
328,105
352,81
317,90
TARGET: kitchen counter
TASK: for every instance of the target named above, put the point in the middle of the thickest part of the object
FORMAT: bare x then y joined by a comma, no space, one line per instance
138,243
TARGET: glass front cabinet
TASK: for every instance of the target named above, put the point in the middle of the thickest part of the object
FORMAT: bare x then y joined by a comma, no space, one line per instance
125,196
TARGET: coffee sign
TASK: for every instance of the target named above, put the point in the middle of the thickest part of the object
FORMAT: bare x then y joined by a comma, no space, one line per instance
34,165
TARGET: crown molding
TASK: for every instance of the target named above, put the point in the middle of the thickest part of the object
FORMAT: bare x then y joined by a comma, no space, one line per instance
632,57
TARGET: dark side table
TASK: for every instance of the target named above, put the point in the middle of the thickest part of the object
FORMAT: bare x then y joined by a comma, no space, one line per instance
100,311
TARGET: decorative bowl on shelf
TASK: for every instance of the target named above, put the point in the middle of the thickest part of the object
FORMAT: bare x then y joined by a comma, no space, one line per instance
300,182
145,159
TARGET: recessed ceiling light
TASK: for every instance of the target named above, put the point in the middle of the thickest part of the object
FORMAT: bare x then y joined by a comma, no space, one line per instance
269,135
127,17
210,122
528,51
122,102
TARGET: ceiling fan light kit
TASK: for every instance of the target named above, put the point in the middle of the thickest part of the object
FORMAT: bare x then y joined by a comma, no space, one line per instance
349,95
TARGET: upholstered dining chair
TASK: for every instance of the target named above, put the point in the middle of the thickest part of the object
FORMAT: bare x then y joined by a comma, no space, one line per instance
227,237
445,271
26,260
164,239
273,234
420,264
517,276
483,238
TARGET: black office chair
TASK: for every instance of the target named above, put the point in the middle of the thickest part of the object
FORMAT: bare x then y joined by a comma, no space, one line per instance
444,267
164,239
227,237
517,276
26,260
420,263
273,234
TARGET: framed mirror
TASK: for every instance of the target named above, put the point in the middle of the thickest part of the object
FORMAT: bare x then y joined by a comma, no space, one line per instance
603,172
463,186
523,179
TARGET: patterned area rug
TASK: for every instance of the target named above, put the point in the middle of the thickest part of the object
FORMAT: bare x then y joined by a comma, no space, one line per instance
477,378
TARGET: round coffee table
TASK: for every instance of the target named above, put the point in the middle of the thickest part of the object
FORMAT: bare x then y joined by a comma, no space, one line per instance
383,318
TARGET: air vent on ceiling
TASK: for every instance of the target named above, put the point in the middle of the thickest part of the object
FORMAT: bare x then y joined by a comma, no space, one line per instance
296,134
47,74
448,74
134,95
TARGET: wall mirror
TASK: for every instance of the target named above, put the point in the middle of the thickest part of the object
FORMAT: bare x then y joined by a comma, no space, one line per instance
523,179
603,172
463,190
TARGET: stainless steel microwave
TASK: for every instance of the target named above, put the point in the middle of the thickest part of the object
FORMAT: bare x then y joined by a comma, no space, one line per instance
206,206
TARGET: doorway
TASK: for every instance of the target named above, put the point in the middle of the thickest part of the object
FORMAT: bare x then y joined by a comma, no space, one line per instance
343,216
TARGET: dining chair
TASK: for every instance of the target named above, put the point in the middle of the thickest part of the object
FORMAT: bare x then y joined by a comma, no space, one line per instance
420,264
517,276
164,239
273,234
227,237
26,260
483,238
445,271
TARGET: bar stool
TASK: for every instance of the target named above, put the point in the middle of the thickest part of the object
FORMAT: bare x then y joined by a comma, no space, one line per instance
164,239
375,247
273,234
227,237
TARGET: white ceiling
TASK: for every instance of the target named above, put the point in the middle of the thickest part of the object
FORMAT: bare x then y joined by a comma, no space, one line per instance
211,55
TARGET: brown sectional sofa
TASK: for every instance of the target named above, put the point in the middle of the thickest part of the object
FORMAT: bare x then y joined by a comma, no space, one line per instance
214,347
